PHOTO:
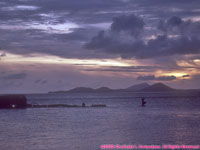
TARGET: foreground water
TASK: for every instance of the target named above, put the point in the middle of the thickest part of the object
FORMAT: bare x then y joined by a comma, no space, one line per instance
167,119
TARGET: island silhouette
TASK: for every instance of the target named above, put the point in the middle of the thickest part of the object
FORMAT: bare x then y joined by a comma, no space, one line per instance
143,87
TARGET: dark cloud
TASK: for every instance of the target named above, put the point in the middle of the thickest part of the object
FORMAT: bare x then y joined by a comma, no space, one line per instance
170,23
93,10
153,78
15,76
41,81
115,70
166,78
44,82
117,40
149,77
176,26
2,55
36,41
125,69
62,10
167,8
184,76
112,28
128,23
181,37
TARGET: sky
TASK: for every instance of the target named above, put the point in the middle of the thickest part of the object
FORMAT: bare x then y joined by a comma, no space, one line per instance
50,45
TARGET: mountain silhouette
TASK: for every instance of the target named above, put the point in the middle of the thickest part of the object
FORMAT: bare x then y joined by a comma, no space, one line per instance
158,87
137,87
143,87
103,89
81,89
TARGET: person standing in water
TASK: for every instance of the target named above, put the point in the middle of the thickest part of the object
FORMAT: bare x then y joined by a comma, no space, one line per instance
83,104
143,102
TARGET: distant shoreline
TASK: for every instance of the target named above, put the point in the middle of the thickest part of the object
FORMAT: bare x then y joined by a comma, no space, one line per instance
140,88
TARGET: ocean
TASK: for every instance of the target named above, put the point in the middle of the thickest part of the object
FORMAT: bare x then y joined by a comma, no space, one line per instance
167,119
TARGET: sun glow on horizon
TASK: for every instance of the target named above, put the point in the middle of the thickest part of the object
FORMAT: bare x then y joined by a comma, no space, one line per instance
176,74
98,67
50,59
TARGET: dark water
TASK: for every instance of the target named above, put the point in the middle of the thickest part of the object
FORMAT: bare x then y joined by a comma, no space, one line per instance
168,118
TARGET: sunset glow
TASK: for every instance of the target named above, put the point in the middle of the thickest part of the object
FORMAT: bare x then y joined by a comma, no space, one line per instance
115,43
49,59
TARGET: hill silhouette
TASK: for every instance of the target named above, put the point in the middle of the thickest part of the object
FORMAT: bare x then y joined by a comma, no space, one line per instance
158,87
143,87
137,87
103,89
81,89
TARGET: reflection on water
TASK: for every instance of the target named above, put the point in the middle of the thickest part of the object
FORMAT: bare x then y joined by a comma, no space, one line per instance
124,121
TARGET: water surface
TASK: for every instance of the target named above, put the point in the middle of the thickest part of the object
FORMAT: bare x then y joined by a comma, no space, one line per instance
168,118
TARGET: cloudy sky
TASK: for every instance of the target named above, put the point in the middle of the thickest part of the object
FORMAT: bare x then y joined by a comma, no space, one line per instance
48,45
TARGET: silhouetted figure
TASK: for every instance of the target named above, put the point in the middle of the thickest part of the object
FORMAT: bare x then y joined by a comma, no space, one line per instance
143,102
83,105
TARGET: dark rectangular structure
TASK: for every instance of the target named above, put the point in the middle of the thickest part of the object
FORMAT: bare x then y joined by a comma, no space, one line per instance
13,101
